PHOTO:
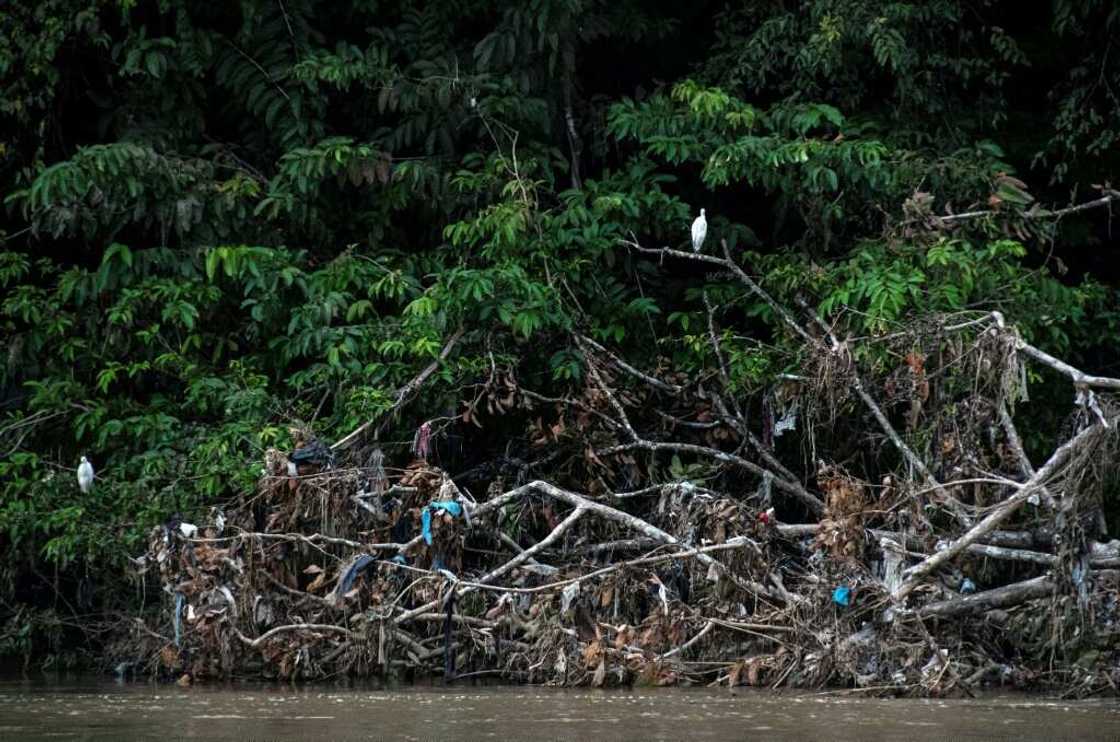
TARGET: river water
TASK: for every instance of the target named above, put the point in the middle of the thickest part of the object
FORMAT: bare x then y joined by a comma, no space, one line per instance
100,710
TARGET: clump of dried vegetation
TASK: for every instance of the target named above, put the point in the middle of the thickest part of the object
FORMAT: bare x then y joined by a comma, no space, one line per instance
966,564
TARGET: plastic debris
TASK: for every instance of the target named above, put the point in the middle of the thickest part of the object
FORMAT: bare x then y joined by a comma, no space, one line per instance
219,519
421,442
178,619
315,453
1087,400
893,563
346,581
567,596
378,481
765,489
859,652
228,595
626,621
787,422
449,506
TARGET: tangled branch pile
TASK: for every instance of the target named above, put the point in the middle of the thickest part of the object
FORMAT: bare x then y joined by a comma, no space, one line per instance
961,564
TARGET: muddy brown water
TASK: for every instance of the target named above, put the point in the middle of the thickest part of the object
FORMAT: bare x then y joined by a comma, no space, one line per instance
104,710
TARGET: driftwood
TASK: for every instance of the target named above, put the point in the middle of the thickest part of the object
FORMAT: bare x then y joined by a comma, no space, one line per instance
599,563
915,574
1000,597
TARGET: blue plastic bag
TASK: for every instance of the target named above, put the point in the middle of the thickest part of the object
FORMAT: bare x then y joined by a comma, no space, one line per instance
842,596
351,574
426,517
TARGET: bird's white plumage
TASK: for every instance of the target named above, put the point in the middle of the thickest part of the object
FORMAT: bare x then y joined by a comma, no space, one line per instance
85,475
699,231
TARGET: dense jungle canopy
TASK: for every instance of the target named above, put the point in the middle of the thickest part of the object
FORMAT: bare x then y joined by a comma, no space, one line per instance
225,220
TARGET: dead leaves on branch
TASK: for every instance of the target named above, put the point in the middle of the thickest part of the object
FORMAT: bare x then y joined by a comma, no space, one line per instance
842,529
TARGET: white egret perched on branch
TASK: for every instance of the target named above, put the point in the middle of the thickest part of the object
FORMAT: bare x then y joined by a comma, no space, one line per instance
85,475
699,231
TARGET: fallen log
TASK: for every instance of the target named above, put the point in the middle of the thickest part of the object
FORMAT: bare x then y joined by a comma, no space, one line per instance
1000,597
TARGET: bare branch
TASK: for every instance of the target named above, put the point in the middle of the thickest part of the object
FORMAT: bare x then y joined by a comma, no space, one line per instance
254,643
1108,198
405,391
915,574
1016,445
791,488
651,380
1000,597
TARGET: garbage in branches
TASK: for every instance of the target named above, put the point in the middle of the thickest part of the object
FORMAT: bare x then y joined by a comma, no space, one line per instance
955,567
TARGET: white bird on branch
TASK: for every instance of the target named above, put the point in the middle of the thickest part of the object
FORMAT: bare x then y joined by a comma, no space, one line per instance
85,476
699,231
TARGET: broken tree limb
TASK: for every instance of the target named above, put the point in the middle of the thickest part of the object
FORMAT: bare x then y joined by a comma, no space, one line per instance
1015,546
536,548
614,403
271,633
582,505
739,273
711,425
914,575
721,364
760,449
739,542
836,348
1012,555
610,421
786,485
1016,445
1109,197
1079,377
815,506
652,531
1000,597
685,487
681,649
624,366
402,395
786,480
1042,538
